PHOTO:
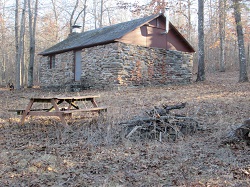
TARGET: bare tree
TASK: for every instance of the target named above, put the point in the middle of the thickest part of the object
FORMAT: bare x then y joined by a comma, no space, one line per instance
19,41
17,83
222,21
32,32
240,36
185,10
189,20
101,14
3,44
248,53
72,16
56,18
22,45
201,54
84,15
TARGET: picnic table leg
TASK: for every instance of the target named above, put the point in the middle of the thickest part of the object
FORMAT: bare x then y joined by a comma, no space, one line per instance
51,108
26,111
93,102
63,120
61,116
71,103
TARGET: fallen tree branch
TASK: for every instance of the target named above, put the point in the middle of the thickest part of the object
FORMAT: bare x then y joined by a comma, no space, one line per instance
134,129
165,110
179,106
150,119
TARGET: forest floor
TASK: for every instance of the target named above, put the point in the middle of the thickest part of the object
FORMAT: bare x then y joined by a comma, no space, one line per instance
95,153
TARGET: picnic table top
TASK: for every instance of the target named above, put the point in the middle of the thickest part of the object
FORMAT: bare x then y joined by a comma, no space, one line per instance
63,97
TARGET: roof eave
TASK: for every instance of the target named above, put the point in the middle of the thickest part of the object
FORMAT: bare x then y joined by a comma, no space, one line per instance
183,38
74,48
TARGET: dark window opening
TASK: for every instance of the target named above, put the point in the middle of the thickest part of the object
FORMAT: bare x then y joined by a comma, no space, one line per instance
52,61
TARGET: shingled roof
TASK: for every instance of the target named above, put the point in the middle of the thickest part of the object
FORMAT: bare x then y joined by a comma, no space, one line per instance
97,36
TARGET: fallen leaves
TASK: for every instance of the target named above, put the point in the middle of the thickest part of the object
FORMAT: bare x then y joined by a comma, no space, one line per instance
42,153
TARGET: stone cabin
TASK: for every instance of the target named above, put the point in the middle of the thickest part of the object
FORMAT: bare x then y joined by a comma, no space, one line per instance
133,53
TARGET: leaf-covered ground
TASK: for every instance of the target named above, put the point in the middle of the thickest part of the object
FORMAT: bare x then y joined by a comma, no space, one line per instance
95,153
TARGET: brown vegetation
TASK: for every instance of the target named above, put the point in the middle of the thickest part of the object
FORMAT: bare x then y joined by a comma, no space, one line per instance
96,153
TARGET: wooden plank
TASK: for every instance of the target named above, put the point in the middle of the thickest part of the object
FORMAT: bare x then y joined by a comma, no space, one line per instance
42,99
77,98
64,98
18,111
21,111
40,113
97,109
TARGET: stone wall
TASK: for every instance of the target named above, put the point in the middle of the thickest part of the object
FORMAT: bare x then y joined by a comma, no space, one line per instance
61,74
119,65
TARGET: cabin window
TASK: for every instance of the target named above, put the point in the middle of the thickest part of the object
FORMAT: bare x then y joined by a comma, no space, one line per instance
52,61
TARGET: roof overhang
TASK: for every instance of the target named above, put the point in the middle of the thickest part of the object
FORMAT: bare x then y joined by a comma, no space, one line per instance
75,48
182,37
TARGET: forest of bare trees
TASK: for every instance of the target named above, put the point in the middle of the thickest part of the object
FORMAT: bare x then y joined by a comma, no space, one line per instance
27,27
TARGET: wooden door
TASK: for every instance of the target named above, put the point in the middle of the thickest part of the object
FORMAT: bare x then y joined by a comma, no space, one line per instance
78,65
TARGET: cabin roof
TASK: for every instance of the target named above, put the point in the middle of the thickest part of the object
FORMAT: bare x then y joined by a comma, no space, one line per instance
102,36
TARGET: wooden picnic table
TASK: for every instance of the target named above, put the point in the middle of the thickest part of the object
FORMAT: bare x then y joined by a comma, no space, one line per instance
55,110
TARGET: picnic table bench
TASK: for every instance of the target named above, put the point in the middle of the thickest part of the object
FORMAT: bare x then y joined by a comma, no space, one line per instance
55,110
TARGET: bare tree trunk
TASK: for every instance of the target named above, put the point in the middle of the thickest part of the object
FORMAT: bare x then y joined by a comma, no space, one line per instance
72,17
56,18
32,31
101,14
201,55
3,48
22,70
95,13
22,44
73,22
17,83
109,17
84,15
240,36
189,20
235,56
222,20
248,54
19,44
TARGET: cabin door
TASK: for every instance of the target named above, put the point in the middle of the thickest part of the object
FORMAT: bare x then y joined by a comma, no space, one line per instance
78,65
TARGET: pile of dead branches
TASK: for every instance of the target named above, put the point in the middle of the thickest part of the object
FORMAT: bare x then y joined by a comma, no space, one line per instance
158,123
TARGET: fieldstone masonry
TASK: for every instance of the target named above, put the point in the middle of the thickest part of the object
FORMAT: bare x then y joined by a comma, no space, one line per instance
61,75
118,65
